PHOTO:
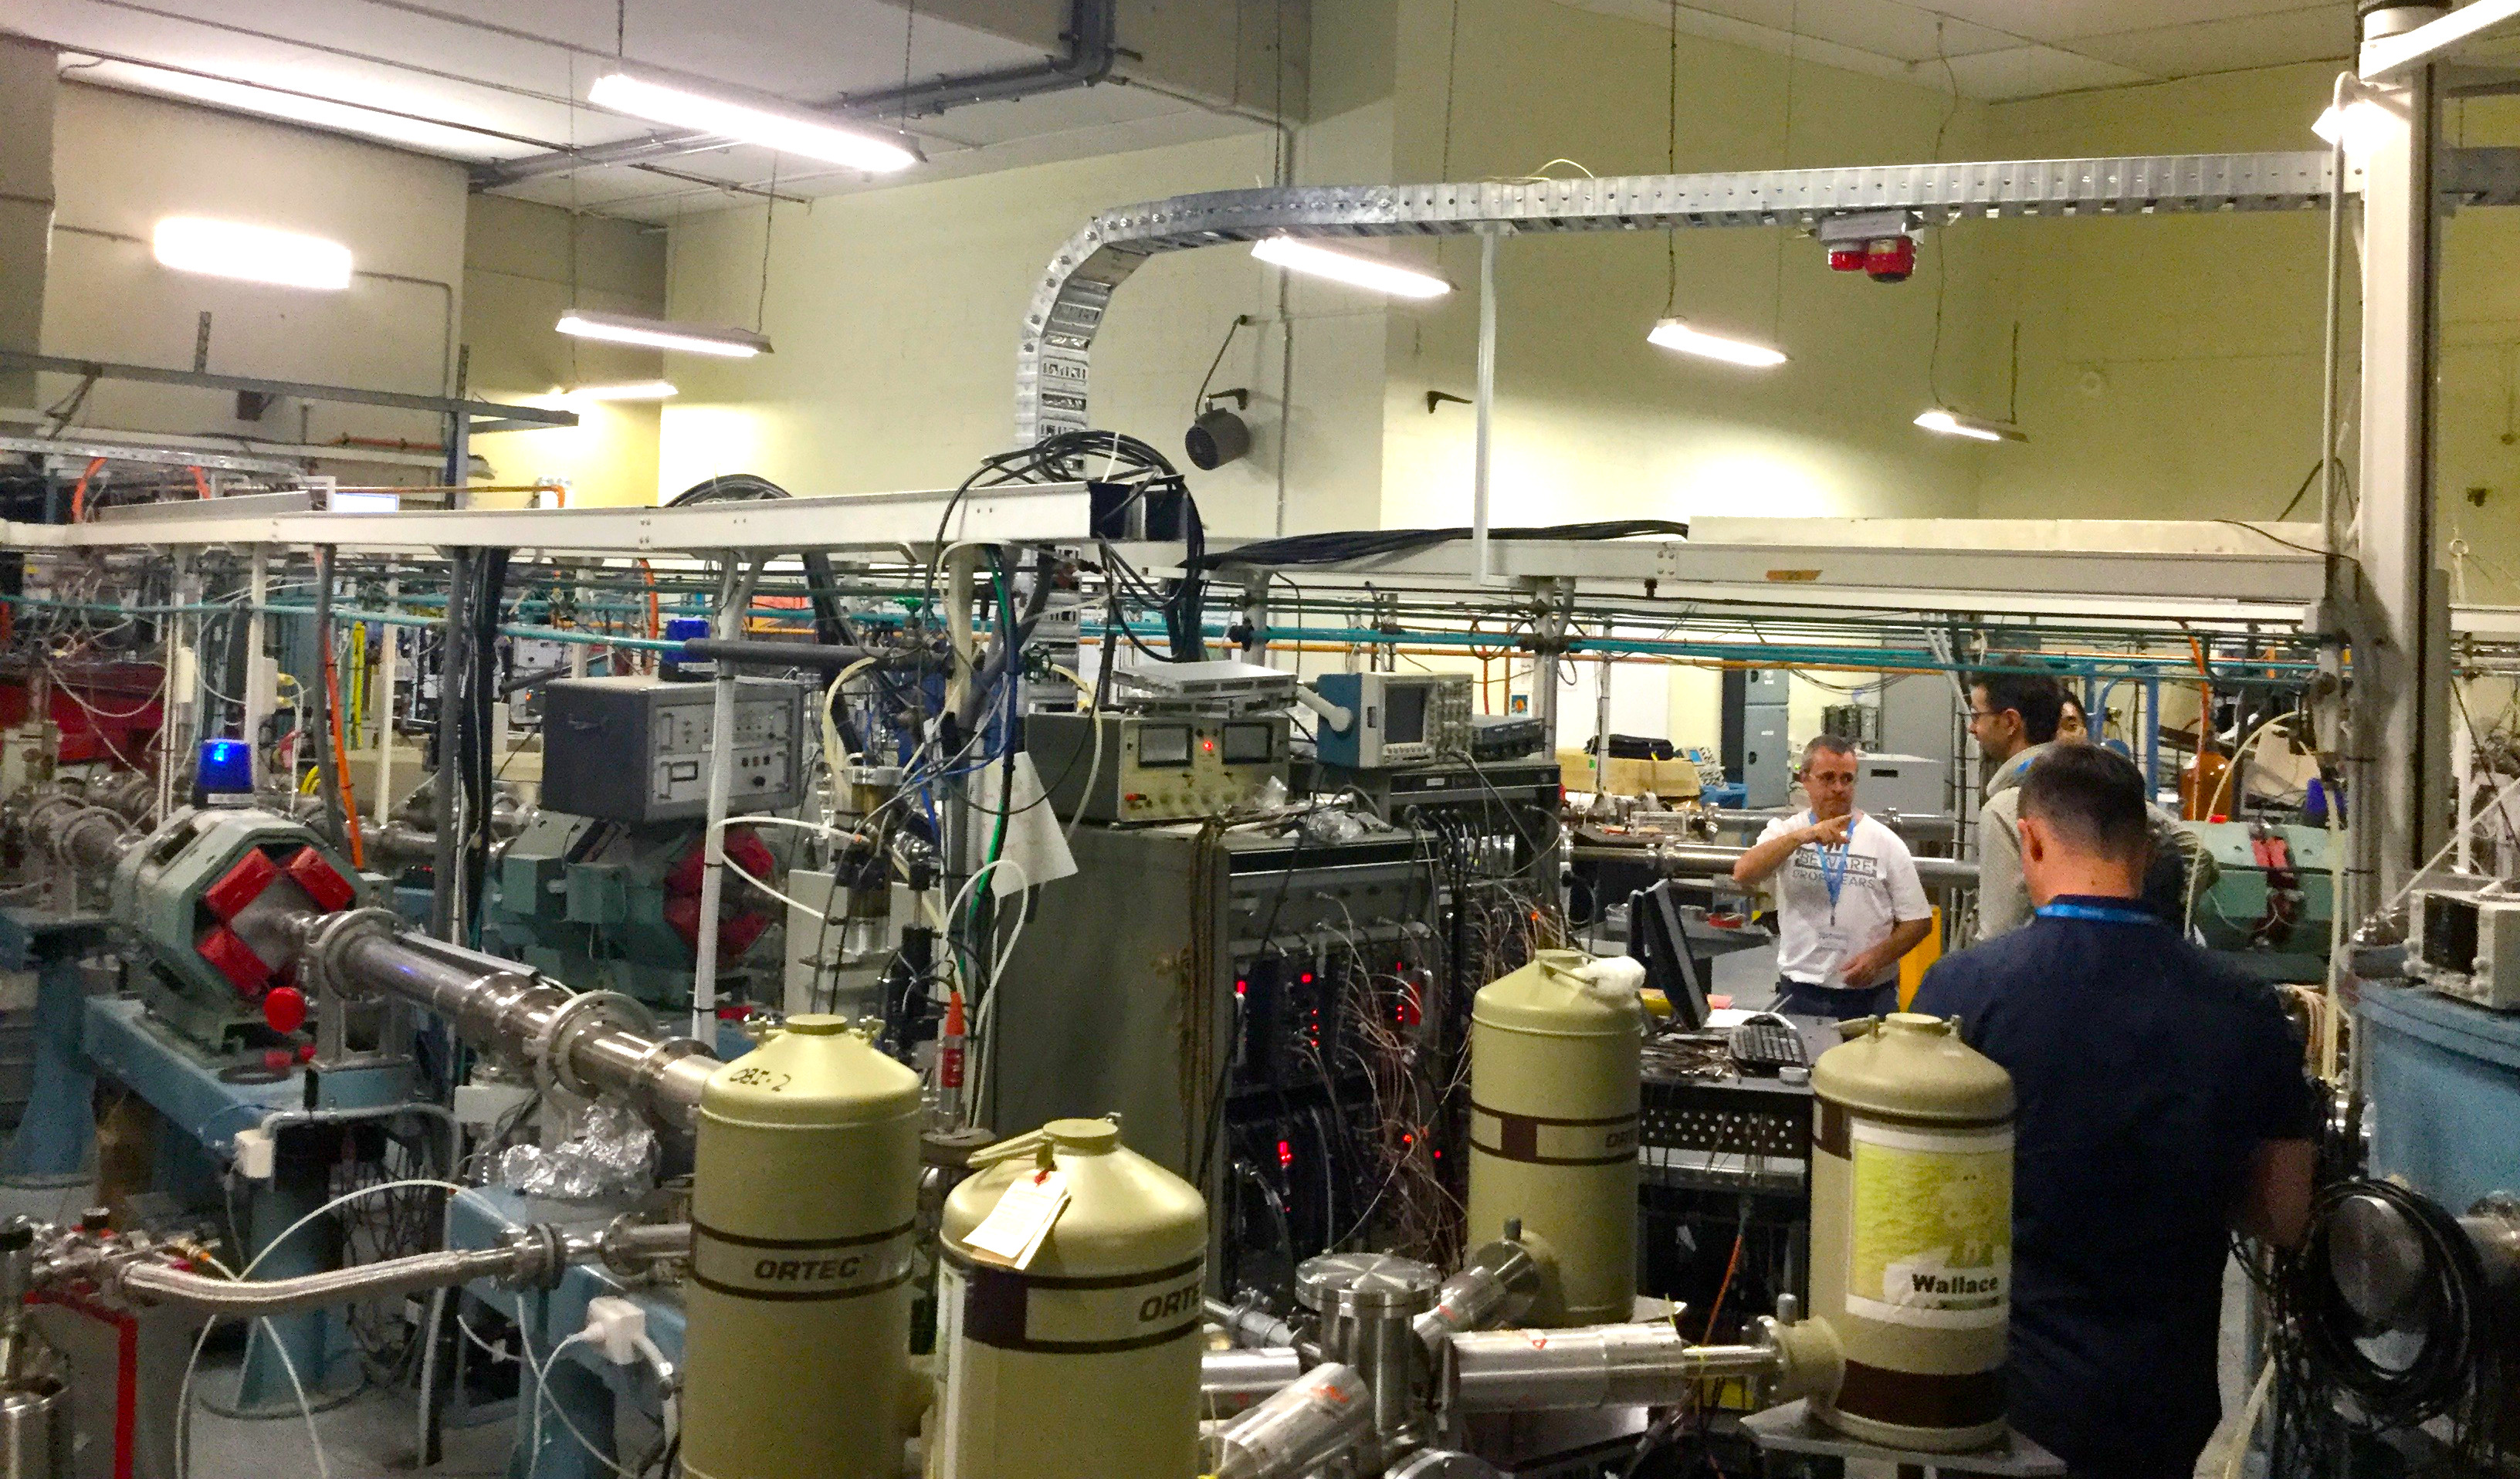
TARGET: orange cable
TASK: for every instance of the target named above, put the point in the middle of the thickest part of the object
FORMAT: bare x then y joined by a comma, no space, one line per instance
78,494
341,758
1726,1287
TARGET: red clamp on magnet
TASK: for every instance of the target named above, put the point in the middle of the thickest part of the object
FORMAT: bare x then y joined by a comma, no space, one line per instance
234,959
240,884
283,1009
322,881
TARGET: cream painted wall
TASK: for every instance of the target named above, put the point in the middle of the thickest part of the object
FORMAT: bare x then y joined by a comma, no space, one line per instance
2169,366
1593,423
896,312
524,264
122,162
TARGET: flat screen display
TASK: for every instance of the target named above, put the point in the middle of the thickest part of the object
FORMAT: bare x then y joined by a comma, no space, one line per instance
1249,743
1405,710
1163,744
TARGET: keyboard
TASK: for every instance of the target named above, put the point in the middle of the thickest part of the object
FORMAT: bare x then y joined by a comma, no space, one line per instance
1763,1044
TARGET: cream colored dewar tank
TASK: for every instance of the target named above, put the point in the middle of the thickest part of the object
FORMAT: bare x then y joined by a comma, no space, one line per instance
1553,1051
1085,1363
804,1201
1911,1233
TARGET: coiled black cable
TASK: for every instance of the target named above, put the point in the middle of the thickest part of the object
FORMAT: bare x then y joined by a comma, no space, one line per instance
2455,1339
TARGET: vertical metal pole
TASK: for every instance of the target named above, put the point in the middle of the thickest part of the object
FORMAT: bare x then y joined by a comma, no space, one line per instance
182,678
446,911
2152,737
388,667
2402,671
1484,411
734,594
1255,622
257,701
1600,711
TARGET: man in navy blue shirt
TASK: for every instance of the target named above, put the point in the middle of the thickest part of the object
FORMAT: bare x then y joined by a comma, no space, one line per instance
2162,1103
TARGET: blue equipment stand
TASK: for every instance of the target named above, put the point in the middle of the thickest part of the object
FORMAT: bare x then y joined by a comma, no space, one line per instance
2442,1087
209,1109
55,1144
584,1386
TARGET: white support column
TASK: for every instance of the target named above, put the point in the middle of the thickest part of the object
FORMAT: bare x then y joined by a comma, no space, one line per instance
735,594
2402,671
257,698
388,666
1484,411
181,707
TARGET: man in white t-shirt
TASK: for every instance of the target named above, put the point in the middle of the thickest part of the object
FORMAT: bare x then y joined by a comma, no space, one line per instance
1848,902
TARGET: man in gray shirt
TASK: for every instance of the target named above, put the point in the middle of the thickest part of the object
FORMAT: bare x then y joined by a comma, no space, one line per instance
2017,716
2013,714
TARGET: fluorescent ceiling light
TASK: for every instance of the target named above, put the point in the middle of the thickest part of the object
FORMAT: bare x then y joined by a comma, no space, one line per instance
1343,267
1976,428
662,334
628,391
2356,126
368,120
255,253
1671,333
768,122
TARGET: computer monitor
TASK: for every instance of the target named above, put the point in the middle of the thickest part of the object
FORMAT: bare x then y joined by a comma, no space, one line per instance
1658,938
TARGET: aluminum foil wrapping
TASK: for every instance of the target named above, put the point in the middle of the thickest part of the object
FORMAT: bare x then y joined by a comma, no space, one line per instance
611,1153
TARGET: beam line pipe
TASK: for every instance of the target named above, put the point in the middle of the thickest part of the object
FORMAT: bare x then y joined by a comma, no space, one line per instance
1591,1368
159,1283
499,1007
1699,860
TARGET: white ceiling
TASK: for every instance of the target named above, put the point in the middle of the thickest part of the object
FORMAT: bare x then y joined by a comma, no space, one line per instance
493,79
2001,50
481,80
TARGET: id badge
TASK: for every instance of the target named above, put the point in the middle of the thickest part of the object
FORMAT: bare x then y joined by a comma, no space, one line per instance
1836,945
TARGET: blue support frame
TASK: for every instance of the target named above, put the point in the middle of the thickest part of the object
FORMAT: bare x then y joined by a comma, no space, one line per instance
583,1385
209,1109
55,1144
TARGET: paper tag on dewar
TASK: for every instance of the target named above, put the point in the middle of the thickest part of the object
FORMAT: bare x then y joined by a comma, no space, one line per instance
1015,1229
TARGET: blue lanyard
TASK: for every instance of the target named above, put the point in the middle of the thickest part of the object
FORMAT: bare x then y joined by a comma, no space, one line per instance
1832,867
2097,914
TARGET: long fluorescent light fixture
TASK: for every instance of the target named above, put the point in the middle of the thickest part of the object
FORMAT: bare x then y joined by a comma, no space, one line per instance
770,124
627,390
252,253
1975,427
1343,267
662,334
1671,333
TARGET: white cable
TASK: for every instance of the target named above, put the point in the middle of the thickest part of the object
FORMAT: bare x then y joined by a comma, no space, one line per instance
2492,807
833,756
963,895
184,1393
323,1466
542,1392
670,1407
2248,1423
